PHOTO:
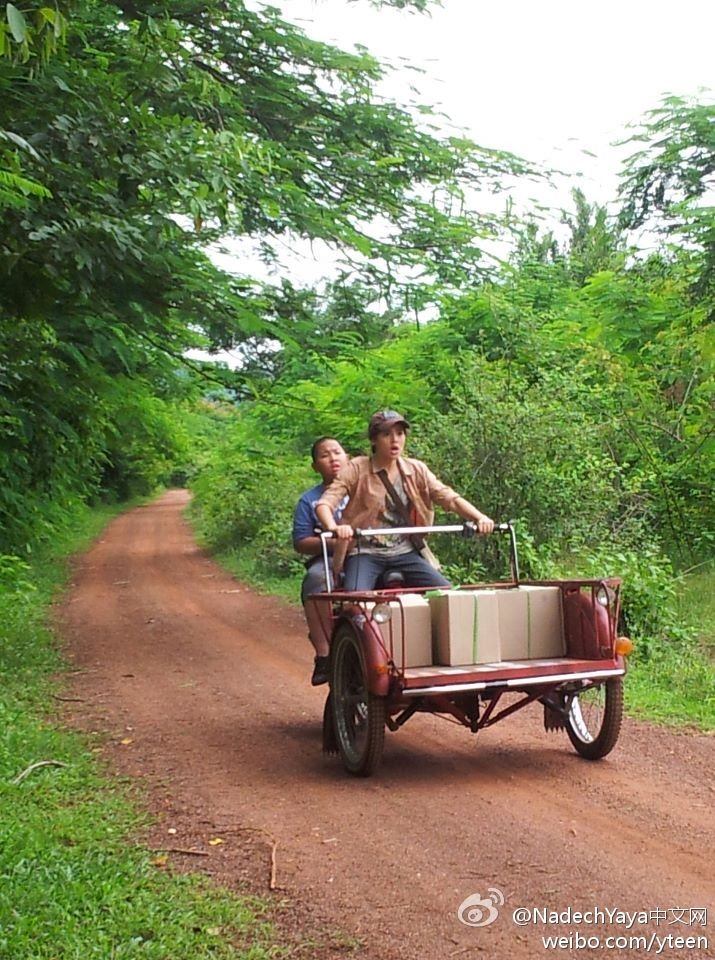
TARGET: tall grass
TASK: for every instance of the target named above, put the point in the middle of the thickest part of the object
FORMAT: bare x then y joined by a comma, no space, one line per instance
695,605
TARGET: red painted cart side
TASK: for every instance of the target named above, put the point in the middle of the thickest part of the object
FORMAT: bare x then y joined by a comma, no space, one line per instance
590,611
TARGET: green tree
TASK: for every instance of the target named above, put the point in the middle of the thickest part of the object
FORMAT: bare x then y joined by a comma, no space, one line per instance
595,241
30,34
668,184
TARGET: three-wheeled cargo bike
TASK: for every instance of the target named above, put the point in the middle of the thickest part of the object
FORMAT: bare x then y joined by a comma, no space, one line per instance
395,652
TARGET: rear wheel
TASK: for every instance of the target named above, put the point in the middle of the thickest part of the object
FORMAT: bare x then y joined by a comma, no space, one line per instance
594,717
359,716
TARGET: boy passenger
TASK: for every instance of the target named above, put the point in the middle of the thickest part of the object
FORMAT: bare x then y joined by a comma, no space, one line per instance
328,459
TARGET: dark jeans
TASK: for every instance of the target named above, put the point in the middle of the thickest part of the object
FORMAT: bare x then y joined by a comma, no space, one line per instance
363,570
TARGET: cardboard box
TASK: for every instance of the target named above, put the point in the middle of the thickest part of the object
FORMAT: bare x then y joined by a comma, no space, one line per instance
531,623
546,635
465,627
412,612
513,624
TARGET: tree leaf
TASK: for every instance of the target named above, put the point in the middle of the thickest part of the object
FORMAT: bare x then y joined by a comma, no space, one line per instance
18,27
19,142
62,85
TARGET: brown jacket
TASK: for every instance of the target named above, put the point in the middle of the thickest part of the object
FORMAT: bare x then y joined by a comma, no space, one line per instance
359,480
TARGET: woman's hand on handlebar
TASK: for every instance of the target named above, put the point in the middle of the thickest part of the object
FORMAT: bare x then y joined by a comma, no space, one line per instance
485,524
468,511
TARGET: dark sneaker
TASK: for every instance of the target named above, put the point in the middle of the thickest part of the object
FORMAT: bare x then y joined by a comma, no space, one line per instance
321,671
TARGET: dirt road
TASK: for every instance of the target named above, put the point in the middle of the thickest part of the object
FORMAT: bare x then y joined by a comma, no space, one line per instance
201,688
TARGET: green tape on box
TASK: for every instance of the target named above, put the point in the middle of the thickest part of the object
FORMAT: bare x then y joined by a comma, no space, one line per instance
475,631
528,625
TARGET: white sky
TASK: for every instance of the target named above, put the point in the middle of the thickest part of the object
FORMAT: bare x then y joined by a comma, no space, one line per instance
555,81
546,79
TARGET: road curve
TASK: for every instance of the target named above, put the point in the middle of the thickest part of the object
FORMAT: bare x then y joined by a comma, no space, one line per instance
200,688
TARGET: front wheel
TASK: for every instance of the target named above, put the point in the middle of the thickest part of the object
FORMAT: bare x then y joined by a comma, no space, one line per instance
594,717
359,716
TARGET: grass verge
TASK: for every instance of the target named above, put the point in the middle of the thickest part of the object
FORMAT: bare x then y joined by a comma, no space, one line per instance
673,687
75,884
675,682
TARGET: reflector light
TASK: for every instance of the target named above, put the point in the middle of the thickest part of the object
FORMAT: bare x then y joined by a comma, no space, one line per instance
624,646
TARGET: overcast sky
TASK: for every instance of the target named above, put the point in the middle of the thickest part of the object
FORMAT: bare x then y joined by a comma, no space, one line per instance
556,81
546,79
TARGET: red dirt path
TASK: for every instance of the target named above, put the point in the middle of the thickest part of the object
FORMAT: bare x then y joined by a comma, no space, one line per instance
209,682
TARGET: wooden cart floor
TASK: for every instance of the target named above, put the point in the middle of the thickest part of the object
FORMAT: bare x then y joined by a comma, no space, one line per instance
509,671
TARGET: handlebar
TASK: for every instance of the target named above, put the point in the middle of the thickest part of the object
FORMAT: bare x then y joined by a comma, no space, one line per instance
467,529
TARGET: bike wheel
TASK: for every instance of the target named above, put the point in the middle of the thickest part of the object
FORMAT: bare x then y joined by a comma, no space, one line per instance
594,717
359,716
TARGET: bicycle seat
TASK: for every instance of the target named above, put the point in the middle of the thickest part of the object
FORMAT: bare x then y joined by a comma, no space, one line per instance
391,580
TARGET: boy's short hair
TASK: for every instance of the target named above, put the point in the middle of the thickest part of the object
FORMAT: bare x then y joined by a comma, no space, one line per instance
316,444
